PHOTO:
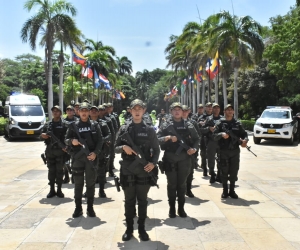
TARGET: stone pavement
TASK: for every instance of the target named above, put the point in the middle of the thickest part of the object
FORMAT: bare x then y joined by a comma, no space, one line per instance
266,216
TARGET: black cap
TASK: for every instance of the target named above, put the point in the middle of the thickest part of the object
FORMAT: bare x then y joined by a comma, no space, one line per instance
208,104
137,102
228,106
176,104
56,107
84,105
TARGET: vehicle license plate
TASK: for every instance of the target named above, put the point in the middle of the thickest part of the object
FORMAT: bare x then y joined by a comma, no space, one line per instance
30,132
271,131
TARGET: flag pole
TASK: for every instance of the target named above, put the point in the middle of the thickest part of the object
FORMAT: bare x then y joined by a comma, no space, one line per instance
73,98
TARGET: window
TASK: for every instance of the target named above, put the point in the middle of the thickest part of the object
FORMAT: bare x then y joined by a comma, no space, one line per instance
27,111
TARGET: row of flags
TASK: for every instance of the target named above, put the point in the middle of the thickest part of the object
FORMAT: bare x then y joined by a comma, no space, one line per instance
86,71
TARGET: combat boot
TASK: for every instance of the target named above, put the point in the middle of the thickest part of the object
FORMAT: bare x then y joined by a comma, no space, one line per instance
102,194
142,232
172,210
67,178
90,209
59,193
225,191
232,193
189,191
218,178
212,177
181,211
52,192
129,230
78,209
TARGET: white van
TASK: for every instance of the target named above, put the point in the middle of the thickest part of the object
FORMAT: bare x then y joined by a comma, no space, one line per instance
26,116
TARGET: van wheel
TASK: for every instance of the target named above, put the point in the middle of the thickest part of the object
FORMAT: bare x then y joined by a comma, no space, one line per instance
256,140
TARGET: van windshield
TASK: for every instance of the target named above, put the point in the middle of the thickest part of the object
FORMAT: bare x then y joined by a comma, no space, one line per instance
27,111
279,114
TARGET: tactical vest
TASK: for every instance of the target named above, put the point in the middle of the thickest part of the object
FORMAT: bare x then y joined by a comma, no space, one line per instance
92,138
59,131
234,126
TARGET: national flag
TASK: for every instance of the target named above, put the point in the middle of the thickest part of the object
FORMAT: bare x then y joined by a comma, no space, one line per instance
87,72
215,66
78,58
208,69
117,94
96,77
184,82
200,74
105,81
174,90
122,95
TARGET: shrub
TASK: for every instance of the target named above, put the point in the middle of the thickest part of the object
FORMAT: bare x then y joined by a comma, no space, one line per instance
3,121
248,124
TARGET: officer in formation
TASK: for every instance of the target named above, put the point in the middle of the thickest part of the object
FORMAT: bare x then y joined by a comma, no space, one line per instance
203,143
54,152
212,147
160,116
230,134
128,114
153,117
185,116
122,117
76,109
135,180
177,159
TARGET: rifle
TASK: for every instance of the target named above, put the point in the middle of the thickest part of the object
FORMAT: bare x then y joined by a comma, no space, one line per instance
234,139
55,140
117,183
139,158
43,156
182,144
84,149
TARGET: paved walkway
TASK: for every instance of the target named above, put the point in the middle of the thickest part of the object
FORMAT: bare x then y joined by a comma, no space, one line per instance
266,216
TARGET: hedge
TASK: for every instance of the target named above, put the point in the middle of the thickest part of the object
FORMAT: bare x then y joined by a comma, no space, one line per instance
248,124
3,121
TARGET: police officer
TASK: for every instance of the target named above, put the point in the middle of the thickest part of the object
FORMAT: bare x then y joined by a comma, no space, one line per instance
122,117
104,155
54,153
69,119
230,134
203,143
128,114
177,164
153,117
160,116
76,109
90,133
199,113
185,116
109,114
136,181
212,146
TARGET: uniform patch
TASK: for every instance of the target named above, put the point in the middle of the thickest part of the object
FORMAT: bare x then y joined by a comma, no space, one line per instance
142,134
85,129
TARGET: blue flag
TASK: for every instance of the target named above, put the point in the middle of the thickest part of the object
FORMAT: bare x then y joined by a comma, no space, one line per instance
97,83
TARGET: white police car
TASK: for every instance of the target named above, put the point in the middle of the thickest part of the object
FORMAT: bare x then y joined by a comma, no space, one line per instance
275,122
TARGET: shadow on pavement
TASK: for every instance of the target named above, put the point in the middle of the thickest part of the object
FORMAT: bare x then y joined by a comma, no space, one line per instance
239,202
185,223
135,244
55,201
197,223
195,201
151,201
86,223
99,201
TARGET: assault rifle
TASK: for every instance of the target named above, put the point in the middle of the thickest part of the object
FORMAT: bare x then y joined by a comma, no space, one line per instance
235,139
43,156
182,144
139,158
55,140
117,183
84,149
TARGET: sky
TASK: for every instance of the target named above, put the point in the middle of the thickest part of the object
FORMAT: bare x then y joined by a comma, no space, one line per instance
138,29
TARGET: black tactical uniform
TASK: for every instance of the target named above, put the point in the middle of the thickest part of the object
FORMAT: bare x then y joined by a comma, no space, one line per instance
229,152
177,165
160,117
55,155
113,138
104,156
203,142
135,181
212,146
90,133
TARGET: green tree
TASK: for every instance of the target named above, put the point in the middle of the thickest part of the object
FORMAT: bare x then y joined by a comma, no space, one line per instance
124,65
239,38
51,18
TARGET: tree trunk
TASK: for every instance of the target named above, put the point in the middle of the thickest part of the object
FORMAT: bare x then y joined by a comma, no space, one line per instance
198,94
61,79
236,101
50,85
225,91
203,92
217,89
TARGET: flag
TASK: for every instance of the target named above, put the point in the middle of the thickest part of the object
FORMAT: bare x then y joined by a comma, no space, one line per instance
208,69
184,82
96,77
199,74
117,94
195,75
105,81
87,72
174,90
78,58
215,66
122,95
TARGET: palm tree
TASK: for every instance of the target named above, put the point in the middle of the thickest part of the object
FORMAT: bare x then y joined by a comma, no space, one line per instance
49,20
238,38
124,65
143,80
